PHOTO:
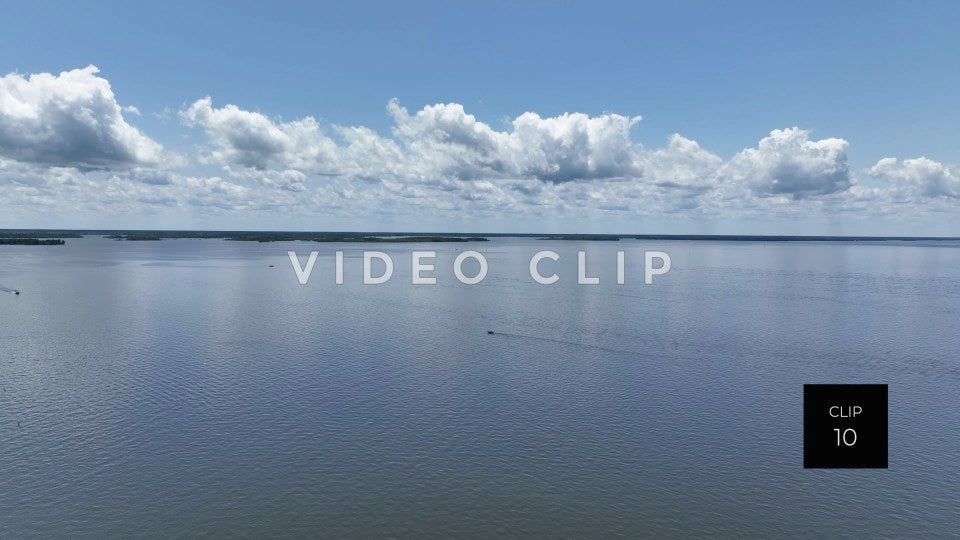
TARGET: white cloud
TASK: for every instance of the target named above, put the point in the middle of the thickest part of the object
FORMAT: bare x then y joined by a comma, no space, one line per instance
437,141
918,178
251,139
68,120
788,163
442,158
445,147
574,147
64,143
683,164
559,149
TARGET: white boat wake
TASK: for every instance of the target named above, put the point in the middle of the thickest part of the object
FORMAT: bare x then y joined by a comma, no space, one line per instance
8,290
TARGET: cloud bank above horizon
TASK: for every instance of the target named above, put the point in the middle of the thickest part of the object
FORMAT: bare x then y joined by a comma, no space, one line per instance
68,148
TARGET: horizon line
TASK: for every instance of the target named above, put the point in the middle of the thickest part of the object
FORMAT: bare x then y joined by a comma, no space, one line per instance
549,236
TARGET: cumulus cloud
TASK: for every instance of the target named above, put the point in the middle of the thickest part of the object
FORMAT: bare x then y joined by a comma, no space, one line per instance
437,141
574,147
788,163
442,145
918,178
559,149
251,139
442,157
64,138
68,120
683,164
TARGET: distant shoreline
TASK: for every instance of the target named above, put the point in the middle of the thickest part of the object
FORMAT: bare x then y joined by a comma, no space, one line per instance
23,236
291,237
31,241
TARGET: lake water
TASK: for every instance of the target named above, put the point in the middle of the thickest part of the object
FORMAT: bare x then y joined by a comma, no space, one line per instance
185,387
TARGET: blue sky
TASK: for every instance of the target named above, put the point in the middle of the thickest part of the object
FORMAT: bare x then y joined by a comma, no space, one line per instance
881,77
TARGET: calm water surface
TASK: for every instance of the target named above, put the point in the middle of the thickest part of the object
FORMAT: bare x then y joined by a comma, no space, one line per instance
184,387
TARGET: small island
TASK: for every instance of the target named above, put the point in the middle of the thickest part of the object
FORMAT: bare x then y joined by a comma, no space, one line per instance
31,242
35,237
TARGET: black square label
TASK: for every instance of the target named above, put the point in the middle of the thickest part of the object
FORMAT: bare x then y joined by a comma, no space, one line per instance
845,426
